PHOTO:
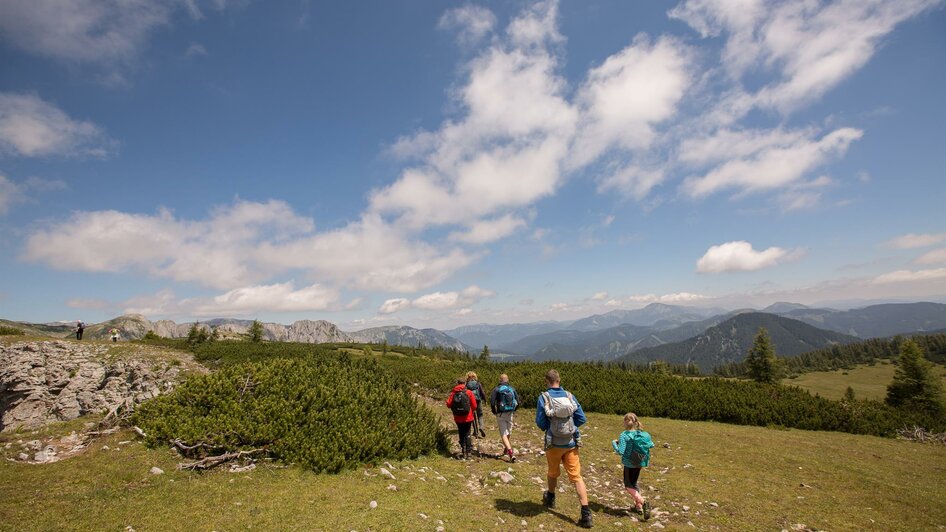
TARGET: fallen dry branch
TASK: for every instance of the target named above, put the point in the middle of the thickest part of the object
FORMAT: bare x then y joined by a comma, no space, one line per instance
213,461
921,435
185,449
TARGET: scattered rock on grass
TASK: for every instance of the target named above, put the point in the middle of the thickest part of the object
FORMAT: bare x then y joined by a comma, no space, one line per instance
503,476
387,474
157,471
373,504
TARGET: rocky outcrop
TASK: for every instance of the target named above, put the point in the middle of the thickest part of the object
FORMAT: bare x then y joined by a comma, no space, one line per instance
409,336
135,326
41,382
169,329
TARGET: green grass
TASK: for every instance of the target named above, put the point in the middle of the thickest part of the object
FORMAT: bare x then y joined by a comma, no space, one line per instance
755,475
869,382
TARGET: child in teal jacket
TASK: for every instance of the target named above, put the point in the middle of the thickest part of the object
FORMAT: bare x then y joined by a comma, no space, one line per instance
634,446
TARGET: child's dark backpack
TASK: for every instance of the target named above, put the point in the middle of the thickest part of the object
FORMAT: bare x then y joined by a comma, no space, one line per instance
461,403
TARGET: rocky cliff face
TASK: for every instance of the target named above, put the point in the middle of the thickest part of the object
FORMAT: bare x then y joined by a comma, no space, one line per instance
41,382
402,335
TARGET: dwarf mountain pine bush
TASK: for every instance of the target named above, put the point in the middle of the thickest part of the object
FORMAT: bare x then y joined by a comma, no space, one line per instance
325,413
10,331
612,390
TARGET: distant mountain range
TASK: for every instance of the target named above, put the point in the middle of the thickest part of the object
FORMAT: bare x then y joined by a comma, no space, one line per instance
875,321
730,340
705,336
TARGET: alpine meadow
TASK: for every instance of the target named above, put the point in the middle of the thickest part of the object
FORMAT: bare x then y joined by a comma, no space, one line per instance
472,265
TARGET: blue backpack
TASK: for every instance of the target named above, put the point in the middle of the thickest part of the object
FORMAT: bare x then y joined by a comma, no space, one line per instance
506,398
638,448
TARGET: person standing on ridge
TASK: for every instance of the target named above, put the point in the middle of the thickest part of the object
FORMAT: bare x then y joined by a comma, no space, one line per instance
503,401
114,332
474,385
559,414
462,403
80,327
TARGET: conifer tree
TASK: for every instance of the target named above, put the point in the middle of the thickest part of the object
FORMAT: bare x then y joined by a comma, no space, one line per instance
256,331
914,384
761,361
484,355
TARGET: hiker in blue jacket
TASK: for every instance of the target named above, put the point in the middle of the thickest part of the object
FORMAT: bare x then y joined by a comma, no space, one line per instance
559,414
634,446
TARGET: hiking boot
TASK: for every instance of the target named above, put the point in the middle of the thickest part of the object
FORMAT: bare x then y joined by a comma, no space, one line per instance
508,452
548,499
585,520
645,511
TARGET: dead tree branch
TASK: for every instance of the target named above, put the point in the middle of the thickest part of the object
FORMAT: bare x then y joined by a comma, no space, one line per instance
213,461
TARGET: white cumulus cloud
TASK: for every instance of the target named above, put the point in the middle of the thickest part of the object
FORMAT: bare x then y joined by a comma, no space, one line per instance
33,127
910,276
936,256
92,31
914,240
438,300
811,46
740,256
472,23
243,244
760,160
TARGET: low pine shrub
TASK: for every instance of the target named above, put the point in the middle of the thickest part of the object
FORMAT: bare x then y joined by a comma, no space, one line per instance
10,331
327,413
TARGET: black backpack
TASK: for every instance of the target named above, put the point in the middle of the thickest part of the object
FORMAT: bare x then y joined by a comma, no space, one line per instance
461,403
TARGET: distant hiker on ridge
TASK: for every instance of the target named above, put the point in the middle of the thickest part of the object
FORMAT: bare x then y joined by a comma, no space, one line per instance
80,327
474,385
114,332
503,401
559,415
462,403
634,446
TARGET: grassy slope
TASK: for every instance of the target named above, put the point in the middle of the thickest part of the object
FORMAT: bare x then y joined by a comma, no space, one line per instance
754,474
869,382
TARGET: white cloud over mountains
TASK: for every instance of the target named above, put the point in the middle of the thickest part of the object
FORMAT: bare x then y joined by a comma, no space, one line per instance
936,256
914,240
437,300
740,256
33,127
242,244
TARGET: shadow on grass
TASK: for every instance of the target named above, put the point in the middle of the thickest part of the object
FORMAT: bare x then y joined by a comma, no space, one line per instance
616,512
528,509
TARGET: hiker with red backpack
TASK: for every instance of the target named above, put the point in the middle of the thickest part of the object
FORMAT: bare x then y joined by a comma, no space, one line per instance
559,415
462,402
503,401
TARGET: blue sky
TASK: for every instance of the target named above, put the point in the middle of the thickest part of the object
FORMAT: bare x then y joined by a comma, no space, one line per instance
438,164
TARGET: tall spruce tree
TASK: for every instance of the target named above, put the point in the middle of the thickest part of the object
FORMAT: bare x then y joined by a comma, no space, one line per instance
914,384
761,361
256,331
484,355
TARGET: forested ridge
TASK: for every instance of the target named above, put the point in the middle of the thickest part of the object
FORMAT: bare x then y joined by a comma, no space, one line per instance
849,355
